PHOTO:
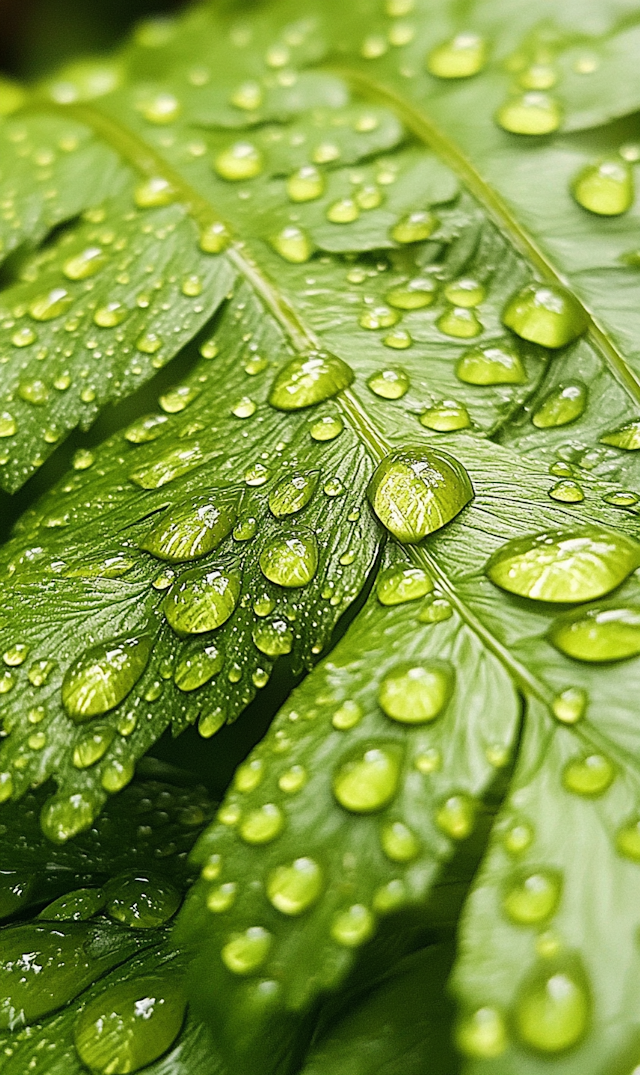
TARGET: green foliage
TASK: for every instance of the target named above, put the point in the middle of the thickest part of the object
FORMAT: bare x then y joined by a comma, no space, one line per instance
392,271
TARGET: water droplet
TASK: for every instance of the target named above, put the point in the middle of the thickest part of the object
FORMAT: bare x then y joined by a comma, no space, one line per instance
399,339
533,113
402,583
414,295
240,161
482,1034
605,188
50,305
628,842
154,192
290,561
568,492
293,244
564,404
246,952
553,1008
446,416
8,425
589,775
327,428
415,227
191,286
16,655
540,76
532,897
35,392
390,897
626,436
569,706
399,843
293,780
83,458
376,317
545,314
306,184
117,775
64,817
146,429
90,748
201,601
369,196
197,666
347,716
248,96
435,610
222,898
103,676
24,336
262,825
344,211
212,867
309,379
256,475
214,238
191,531
622,498
161,109
114,313
291,495
6,787
464,292
491,365
460,322
460,57
274,638
416,491
292,889
389,384
569,566
130,1024
608,634
140,901
369,780
415,693
248,776
76,906
325,153
456,816
245,528
354,926
87,263
149,343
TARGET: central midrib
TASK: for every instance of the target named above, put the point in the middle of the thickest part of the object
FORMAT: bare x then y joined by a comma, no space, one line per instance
148,163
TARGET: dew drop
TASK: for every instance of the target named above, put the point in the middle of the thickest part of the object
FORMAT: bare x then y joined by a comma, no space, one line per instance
306,184
622,498
16,655
64,817
293,780
8,424
369,780
628,842
415,693
140,901
293,888
51,304
569,705
564,566
377,317
353,927
446,416
130,1024
327,428
154,192
273,638
114,313
532,897
531,113
103,676
540,76
293,244
86,264
149,343
399,843
248,96
90,748
347,716
246,952
482,1034
291,495
290,561
399,339
390,897
190,532
75,906
161,109
263,825
309,379
200,601
456,816
35,392
595,635
368,197
400,583
464,292
23,337
553,1008
491,365
545,314
389,384
414,295
605,188
222,898
197,666
240,161
344,211
418,490
564,404
214,238
589,775
249,775
460,322
415,227
460,57
567,492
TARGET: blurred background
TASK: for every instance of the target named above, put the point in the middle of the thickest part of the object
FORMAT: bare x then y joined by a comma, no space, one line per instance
38,35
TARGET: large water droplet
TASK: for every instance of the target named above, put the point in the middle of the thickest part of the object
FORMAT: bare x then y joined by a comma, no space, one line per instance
456,816
154,192
263,825
532,897
377,317
201,601
63,817
569,705
246,952
76,906
327,428
533,113
293,244
368,780
415,693
99,679
399,843
605,188
292,560
242,160
129,1025
344,211
446,417
589,775
140,901
564,404
460,57
415,227
354,926
291,495
389,384
626,436
545,314
567,492
553,1008
273,638
418,490
491,365
110,315
85,264
414,295
50,305
90,748
566,566
402,583
482,1034
309,379
598,634
292,889
190,532
306,184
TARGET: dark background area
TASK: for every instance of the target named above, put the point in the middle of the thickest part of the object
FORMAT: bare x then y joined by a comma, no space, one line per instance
38,35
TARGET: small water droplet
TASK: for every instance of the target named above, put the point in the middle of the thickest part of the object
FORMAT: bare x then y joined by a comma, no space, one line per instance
415,693
347,716
531,113
564,566
540,76
149,343
553,1008
197,666
491,365
414,295
416,491
222,898
293,244
246,952
214,238
456,816
293,780
464,292
460,57
24,336
273,638
344,211
191,286
8,424
401,583
377,317
190,532
75,906
368,781
390,897
327,428
200,601
461,322
309,379
532,897
591,775
103,676
595,635
35,392
568,492
622,498
369,196
85,264
564,404
240,161
389,384
114,313
306,184
261,826
16,655
65,816
51,304
245,528
399,843
290,561
154,192
248,776
446,416
415,227
605,188
291,495
90,748
569,706
293,888
161,109
626,436
354,926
